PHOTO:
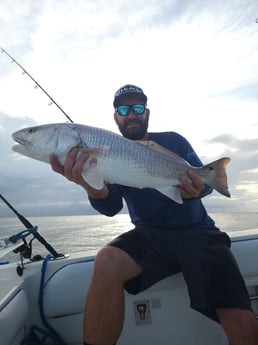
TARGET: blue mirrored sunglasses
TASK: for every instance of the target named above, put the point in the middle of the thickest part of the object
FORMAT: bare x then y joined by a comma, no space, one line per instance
124,110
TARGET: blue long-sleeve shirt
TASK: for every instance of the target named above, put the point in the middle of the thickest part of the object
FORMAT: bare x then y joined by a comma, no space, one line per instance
148,206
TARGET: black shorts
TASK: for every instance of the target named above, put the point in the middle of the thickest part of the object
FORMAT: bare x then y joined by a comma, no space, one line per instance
202,255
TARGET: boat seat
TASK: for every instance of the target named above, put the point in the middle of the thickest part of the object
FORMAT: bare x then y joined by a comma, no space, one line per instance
167,305
12,319
64,299
63,311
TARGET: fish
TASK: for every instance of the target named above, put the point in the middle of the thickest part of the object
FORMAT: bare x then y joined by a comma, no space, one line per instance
138,164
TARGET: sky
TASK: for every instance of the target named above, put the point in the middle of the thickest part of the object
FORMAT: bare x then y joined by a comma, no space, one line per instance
195,60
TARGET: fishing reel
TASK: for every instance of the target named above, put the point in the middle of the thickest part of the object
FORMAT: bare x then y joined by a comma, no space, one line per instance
25,249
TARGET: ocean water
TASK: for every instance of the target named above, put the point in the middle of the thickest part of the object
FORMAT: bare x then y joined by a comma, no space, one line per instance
69,234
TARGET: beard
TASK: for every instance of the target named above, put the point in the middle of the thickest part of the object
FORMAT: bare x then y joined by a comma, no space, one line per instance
134,129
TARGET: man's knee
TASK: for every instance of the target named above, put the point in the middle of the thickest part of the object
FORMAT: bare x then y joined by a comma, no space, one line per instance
246,329
239,324
115,263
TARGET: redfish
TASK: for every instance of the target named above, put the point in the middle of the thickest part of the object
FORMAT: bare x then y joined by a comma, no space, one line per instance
119,160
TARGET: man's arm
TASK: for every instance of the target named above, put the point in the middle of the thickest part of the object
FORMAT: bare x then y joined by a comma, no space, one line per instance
72,169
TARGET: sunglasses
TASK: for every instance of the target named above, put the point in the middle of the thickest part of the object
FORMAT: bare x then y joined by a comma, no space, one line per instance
124,110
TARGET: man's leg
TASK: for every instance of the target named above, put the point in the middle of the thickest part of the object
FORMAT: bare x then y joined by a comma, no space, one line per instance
240,326
104,309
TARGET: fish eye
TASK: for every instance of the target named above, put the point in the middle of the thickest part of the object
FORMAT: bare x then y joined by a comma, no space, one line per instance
32,130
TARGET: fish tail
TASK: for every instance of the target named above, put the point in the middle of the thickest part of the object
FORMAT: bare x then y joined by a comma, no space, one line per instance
218,179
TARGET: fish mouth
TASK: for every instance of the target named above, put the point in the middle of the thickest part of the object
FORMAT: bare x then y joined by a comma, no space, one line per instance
22,142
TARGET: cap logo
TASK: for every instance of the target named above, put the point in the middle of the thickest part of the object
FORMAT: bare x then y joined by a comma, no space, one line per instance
129,88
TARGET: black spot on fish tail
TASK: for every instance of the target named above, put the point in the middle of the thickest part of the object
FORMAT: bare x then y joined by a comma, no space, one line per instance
217,178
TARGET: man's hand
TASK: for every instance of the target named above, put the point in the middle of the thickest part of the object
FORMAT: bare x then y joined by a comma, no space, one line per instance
192,188
72,170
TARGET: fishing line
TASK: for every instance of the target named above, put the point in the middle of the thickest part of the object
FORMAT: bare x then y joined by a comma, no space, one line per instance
36,83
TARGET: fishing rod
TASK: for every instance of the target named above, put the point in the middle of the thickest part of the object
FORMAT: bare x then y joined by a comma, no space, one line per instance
23,220
37,84
29,226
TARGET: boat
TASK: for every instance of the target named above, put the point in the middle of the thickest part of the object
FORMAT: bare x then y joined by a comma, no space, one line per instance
42,298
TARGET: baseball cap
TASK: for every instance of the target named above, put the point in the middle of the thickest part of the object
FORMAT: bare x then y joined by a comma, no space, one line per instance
129,89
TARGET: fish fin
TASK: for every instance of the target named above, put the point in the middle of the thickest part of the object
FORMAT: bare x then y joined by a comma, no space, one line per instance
219,179
172,193
94,150
154,146
91,174
93,177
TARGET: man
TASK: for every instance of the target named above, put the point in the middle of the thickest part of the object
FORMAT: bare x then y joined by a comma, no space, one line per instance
153,250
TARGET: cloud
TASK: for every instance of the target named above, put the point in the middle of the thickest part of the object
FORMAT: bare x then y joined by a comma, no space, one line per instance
17,21
244,91
242,171
196,60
